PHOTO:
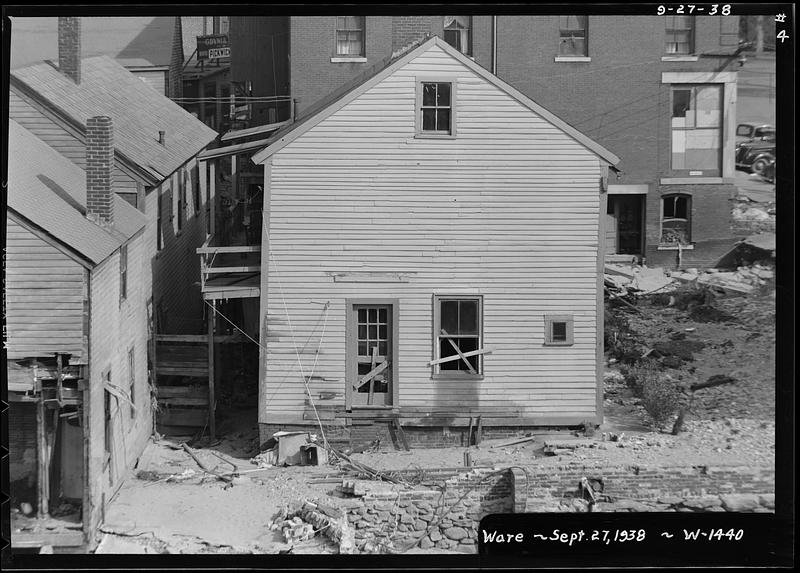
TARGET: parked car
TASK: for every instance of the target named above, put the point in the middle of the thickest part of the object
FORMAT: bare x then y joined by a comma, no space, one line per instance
751,131
755,155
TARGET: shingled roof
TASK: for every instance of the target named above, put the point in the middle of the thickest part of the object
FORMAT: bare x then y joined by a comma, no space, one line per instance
139,112
49,191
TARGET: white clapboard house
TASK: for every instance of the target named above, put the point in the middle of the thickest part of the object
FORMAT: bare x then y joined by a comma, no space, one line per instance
431,256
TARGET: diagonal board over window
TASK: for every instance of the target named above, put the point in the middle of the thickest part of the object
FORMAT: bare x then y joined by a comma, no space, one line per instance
371,353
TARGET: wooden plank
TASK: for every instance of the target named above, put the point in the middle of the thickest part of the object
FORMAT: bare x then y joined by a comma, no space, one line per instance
181,391
478,432
229,249
466,354
401,433
371,374
372,380
210,370
31,540
195,338
183,417
461,354
242,269
184,401
189,372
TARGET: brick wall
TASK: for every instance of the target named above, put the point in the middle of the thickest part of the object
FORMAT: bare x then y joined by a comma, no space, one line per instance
100,169
175,77
408,29
69,47
448,517
22,458
712,230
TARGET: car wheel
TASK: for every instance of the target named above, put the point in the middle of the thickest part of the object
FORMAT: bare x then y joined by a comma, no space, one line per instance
759,165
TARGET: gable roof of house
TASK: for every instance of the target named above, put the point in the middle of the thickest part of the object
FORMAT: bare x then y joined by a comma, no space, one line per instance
139,112
351,90
140,41
49,191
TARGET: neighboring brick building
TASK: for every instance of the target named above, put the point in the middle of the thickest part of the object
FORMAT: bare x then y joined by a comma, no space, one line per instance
631,83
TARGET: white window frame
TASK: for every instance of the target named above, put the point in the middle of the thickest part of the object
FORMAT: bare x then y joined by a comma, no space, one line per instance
451,134
437,373
342,57
567,33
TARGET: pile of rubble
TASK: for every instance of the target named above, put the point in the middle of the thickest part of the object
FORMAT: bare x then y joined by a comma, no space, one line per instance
303,521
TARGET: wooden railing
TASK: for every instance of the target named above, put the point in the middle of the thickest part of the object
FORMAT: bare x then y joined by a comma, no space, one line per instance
217,259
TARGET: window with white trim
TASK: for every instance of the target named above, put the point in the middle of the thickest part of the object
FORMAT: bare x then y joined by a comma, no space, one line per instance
573,36
458,33
696,127
458,336
676,221
435,103
679,35
559,330
350,36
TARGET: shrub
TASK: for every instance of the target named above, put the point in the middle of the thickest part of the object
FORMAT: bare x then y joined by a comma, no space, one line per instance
659,394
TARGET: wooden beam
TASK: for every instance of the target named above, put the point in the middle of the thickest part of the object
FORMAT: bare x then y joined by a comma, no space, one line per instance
461,354
371,374
208,250
42,485
244,269
199,338
372,381
211,403
212,178
467,354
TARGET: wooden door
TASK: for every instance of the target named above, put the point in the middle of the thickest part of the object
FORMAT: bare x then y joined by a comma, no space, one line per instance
373,352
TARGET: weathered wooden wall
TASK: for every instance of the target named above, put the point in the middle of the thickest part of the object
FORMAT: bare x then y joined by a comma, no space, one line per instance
44,297
508,209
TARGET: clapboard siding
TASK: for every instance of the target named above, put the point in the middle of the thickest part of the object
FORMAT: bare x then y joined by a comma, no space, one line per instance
507,209
44,297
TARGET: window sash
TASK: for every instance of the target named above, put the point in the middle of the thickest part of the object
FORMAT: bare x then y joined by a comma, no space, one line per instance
466,341
458,33
679,35
350,36
436,114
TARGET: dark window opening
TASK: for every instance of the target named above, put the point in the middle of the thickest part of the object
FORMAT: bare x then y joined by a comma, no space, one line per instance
436,107
458,333
676,220
123,272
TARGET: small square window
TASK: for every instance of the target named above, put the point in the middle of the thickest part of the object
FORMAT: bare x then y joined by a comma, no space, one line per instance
435,107
558,330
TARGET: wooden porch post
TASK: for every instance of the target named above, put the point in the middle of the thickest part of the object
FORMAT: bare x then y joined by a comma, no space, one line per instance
43,485
211,378
212,172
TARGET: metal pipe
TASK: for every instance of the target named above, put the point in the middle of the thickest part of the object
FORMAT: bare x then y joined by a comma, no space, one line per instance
494,45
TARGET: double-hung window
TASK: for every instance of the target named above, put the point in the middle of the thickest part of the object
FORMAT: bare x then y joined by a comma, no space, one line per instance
350,36
697,128
458,33
435,103
458,336
679,39
573,36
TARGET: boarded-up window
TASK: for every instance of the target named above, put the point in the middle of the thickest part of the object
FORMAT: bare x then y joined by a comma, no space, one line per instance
458,33
697,128
573,36
123,272
458,335
558,330
679,35
350,36
676,224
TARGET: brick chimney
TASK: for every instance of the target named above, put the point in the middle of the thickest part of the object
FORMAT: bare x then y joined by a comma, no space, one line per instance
69,47
100,170
408,29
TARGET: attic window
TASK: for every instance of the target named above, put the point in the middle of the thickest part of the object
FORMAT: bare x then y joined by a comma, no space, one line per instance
436,108
558,330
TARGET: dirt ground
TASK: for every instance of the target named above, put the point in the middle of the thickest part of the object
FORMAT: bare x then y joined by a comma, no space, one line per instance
174,507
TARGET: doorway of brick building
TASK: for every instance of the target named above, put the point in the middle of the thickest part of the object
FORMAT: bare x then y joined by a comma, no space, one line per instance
625,225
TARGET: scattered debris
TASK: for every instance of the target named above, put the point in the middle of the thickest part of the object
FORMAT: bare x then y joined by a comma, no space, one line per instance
204,467
301,522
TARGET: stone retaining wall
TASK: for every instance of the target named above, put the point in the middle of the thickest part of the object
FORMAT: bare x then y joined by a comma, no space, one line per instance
448,518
